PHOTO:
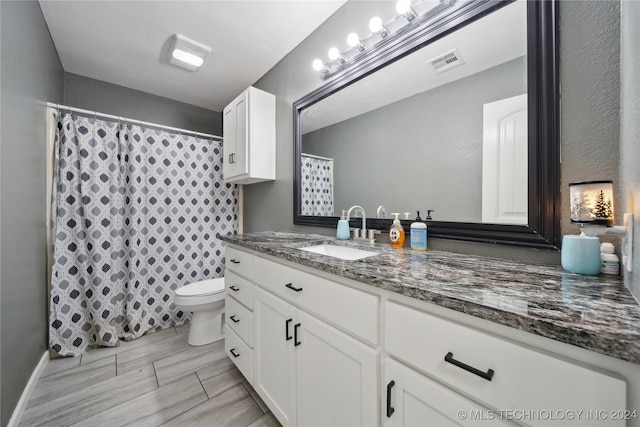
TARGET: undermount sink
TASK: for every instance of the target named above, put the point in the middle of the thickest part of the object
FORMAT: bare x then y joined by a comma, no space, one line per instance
342,252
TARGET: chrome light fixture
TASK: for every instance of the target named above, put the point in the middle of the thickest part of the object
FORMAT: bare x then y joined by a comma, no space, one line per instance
411,14
187,53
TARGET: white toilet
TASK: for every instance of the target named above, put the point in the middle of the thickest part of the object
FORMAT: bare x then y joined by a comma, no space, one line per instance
206,300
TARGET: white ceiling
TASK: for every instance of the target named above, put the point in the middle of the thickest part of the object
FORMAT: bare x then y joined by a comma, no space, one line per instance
126,42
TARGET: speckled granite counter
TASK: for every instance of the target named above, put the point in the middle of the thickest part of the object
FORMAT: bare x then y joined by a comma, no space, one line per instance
593,312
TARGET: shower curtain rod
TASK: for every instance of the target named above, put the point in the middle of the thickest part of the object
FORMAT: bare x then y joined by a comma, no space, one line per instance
316,157
125,119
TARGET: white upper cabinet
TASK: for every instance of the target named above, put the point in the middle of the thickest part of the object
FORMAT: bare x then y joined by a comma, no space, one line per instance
249,131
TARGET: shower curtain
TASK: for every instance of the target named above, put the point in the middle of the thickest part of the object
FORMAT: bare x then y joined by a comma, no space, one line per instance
317,185
136,215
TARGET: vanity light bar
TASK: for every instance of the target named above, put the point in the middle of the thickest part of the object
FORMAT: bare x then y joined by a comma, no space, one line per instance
409,16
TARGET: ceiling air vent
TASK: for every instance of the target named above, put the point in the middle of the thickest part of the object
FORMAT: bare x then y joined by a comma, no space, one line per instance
446,61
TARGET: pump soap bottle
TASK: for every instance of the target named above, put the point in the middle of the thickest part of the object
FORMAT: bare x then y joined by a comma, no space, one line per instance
418,234
342,232
396,233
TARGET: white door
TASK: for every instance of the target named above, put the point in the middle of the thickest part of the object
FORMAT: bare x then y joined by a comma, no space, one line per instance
337,377
412,399
274,374
504,161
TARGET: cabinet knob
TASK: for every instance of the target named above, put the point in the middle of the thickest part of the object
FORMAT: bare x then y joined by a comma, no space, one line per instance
233,288
293,288
235,261
234,318
233,352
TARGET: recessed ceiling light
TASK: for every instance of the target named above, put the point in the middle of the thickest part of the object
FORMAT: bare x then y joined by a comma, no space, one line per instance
187,53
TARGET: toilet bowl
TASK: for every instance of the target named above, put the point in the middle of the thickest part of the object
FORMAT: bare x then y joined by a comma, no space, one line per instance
205,299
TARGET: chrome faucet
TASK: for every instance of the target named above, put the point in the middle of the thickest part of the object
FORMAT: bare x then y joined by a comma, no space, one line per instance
362,234
381,209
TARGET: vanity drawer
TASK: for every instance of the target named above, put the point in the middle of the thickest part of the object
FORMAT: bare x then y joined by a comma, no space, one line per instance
240,319
239,262
239,288
239,353
523,379
350,309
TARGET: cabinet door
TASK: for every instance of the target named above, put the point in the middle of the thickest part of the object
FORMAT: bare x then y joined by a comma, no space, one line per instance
275,363
229,140
240,160
412,399
337,376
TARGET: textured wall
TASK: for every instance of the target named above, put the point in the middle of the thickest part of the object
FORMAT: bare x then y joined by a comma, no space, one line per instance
96,95
31,75
630,128
590,78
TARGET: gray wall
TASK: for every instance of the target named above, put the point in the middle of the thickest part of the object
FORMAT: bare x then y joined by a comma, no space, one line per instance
630,128
424,152
96,95
31,75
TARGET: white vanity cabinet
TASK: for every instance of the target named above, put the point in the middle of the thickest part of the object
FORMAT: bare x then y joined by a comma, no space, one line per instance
307,371
249,131
413,399
239,310
523,385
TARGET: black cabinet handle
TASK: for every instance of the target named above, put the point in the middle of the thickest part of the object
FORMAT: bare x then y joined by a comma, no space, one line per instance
233,288
486,375
295,335
235,261
234,318
290,286
286,332
233,352
390,410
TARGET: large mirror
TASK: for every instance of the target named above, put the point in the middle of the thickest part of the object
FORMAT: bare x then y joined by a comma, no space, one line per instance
458,115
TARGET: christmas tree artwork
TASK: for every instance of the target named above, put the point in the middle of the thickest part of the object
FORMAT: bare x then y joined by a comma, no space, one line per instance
580,210
602,209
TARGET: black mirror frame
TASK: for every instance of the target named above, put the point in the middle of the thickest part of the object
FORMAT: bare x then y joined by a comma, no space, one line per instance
543,229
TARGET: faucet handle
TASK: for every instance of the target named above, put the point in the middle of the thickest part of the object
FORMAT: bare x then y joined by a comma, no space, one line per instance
356,233
372,234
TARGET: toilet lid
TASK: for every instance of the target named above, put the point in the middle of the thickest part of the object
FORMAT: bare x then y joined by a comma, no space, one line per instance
204,287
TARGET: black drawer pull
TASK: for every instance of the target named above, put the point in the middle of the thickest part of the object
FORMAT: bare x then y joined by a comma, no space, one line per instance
234,318
233,288
235,261
486,375
233,352
390,409
290,286
295,335
286,332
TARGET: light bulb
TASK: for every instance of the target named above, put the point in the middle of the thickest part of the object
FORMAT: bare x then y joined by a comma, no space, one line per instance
317,64
375,24
403,6
353,40
334,53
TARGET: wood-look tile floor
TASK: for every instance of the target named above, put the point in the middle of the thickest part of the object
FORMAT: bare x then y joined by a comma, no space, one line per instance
156,380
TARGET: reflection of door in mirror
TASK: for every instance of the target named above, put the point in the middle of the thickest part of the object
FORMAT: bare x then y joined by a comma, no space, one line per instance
316,182
504,161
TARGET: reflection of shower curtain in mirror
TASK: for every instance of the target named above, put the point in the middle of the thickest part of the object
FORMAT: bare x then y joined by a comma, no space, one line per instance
317,185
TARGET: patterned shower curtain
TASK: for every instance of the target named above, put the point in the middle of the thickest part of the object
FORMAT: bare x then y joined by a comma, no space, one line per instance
137,212
317,185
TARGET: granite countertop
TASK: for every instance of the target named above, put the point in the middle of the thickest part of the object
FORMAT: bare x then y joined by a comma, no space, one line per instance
593,312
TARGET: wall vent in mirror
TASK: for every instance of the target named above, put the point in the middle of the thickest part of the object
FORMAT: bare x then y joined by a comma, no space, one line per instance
447,61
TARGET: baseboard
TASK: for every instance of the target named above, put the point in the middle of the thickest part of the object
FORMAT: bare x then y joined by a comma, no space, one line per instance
26,393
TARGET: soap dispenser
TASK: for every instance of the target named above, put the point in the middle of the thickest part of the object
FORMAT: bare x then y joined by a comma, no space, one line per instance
418,234
342,232
396,232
